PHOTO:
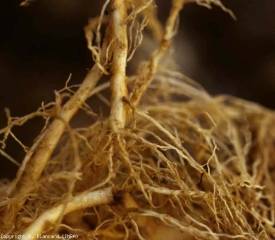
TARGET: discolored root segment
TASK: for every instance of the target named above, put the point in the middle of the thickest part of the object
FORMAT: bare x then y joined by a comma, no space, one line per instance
118,69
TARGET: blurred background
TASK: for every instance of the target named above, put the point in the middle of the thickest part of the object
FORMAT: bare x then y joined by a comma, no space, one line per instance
42,44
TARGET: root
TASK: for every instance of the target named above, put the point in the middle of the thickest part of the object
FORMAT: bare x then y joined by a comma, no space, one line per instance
180,164
81,201
118,83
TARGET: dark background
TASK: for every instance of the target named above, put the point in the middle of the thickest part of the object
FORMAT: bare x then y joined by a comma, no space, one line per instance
42,44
